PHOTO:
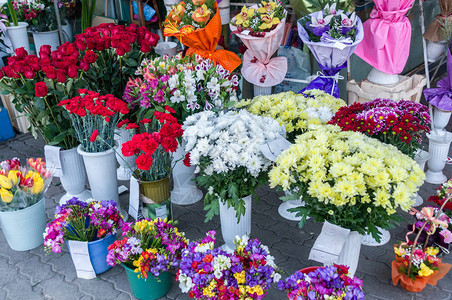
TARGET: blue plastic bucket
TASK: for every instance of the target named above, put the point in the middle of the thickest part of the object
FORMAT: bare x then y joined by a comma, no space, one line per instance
6,129
24,228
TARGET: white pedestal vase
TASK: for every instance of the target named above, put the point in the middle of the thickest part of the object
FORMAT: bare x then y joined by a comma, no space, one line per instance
421,158
185,191
284,212
101,170
262,91
379,77
440,120
19,36
230,228
73,179
438,148
350,252
126,164
435,50
46,38
368,240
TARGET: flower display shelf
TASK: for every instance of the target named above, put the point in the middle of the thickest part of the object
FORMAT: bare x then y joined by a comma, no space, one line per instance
408,88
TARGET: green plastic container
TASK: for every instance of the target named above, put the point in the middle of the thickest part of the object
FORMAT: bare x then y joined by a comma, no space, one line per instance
150,289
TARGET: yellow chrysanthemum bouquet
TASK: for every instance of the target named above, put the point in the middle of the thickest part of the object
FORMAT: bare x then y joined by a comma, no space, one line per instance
22,186
296,112
347,179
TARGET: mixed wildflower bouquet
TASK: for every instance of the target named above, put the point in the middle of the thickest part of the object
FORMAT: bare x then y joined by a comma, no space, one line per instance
210,273
115,52
399,123
187,84
329,282
225,149
81,221
149,247
197,25
39,14
424,261
261,19
94,118
296,112
154,150
347,178
22,186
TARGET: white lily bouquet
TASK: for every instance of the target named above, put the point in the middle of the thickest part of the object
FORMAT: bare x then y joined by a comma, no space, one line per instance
226,151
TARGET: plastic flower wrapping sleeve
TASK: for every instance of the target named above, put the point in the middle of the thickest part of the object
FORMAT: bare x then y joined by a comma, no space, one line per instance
441,97
331,55
434,31
258,66
309,6
387,36
204,41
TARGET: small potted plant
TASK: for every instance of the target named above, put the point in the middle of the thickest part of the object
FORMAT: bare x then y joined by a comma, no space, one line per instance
152,249
153,157
22,205
328,282
91,225
225,149
207,272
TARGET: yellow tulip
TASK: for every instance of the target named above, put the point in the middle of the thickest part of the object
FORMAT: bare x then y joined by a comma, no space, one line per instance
268,21
5,182
13,176
6,195
38,186
267,7
243,18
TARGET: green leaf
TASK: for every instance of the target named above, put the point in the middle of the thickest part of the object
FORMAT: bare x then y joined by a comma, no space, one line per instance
39,103
131,62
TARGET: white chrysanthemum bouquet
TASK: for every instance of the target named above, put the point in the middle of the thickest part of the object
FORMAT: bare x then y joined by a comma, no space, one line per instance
226,150
295,111
347,178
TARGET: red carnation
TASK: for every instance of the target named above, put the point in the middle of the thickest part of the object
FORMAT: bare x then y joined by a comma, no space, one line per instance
146,121
41,89
94,135
144,162
187,160
132,126
169,109
121,123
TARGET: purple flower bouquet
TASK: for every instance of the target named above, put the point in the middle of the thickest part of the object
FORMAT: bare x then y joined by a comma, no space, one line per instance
330,282
332,36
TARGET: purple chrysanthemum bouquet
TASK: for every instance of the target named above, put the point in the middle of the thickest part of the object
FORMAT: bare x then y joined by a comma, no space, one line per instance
149,247
329,282
82,221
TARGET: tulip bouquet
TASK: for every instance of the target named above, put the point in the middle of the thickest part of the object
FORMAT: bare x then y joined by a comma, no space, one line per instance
399,123
347,178
332,36
210,273
148,247
186,84
296,112
94,118
22,186
114,51
329,282
226,151
81,221
197,25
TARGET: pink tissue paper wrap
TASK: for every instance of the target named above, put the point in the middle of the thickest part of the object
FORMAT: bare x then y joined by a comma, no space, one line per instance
387,36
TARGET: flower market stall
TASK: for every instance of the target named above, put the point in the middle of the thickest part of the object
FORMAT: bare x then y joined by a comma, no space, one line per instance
156,121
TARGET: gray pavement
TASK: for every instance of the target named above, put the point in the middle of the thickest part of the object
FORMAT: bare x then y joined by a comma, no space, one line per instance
34,275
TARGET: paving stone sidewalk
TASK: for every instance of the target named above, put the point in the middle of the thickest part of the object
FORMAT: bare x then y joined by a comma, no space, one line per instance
34,275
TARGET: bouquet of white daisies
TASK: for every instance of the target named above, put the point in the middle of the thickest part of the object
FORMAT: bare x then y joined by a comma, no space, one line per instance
226,151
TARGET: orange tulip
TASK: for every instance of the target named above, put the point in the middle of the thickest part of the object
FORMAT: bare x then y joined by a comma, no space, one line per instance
201,14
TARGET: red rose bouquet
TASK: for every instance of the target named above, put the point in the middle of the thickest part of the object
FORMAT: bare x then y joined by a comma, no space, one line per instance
154,149
114,52
39,83
94,118
399,123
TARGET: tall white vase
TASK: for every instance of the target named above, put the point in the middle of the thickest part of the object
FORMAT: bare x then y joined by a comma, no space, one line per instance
349,255
438,148
185,191
19,36
126,164
225,11
73,179
46,38
421,158
440,120
379,77
230,228
262,91
68,35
